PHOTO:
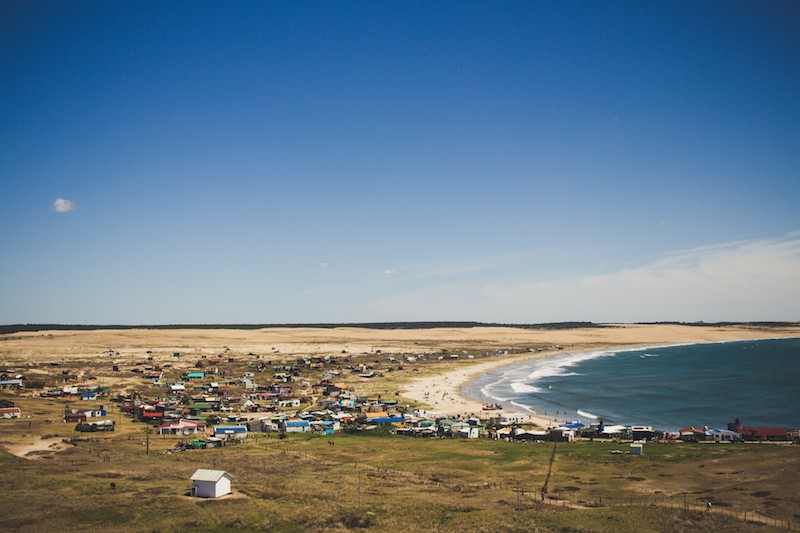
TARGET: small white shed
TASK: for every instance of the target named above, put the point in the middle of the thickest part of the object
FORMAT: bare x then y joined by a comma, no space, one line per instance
210,483
637,448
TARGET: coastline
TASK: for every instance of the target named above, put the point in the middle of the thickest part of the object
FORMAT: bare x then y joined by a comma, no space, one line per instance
456,391
445,394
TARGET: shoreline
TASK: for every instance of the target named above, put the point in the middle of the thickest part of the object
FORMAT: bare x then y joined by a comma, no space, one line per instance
449,393
444,392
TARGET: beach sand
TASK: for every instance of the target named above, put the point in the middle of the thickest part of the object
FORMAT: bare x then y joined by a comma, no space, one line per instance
443,392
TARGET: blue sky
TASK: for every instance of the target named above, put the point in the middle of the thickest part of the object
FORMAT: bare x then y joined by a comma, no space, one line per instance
268,162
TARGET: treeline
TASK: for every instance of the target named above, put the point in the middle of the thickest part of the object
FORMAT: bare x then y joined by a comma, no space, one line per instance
18,328
724,324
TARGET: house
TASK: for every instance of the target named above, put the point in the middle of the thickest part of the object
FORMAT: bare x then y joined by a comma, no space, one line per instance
210,483
762,433
530,435
231,432
152,415
468,432
11,384
723,435
198,408
505,433
512,418
613,431
100,425
10,412
328,427
182,427
386,420
298,426
81,415
643,432
692,434
562,434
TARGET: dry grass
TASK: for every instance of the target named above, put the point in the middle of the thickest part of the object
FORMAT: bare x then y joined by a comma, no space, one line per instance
386,483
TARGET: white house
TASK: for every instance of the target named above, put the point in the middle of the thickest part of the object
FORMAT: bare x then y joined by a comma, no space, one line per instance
469,432
512,418
230,432
10,412
723,435
182,427
298,426
210,483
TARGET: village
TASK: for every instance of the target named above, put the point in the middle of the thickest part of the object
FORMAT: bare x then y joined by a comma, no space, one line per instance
222,399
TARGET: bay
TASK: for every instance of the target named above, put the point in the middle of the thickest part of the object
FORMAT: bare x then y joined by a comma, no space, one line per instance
668,387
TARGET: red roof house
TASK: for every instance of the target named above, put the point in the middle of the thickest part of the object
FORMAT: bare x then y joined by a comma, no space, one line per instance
762,433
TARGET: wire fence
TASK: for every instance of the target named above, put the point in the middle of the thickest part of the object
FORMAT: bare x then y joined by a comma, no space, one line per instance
678,502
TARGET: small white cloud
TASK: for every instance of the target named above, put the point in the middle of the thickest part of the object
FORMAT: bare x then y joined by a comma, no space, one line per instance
324,264
62,205
391,272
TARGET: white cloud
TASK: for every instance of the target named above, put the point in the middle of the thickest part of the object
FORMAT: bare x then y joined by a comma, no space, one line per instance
324,264
739,281
62,205
391,272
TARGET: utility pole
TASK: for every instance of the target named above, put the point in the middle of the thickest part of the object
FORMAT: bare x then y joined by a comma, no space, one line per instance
358,472
147,439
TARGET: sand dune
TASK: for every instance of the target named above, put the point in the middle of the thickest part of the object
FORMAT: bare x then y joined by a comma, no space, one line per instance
299,341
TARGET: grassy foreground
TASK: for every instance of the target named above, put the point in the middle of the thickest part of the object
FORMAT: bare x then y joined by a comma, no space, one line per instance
385,483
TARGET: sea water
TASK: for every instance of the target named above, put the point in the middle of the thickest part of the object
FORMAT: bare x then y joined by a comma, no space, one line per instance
670,387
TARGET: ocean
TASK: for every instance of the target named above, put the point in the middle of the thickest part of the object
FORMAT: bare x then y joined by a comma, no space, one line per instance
668,387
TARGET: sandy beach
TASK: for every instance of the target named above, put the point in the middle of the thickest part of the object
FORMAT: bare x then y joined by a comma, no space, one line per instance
443,393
